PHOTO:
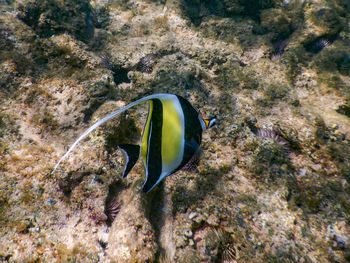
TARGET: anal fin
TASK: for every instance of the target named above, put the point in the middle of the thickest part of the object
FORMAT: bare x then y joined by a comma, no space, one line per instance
132,153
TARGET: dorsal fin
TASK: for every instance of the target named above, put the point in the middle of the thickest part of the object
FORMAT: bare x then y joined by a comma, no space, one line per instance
132,153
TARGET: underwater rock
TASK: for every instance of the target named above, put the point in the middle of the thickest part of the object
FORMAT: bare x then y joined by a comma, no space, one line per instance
196,10
131,237
324,20
276,21
52,17
344,109
272,183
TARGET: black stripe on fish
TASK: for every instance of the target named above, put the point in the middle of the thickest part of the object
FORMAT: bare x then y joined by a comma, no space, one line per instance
154,147
193,131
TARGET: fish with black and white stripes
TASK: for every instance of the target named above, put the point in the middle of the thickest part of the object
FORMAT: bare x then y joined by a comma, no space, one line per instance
171,137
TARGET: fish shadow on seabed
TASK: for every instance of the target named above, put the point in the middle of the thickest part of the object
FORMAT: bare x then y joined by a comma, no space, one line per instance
205,184
164,204
157,213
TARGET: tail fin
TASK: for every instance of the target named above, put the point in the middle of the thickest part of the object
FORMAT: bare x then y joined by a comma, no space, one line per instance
106,118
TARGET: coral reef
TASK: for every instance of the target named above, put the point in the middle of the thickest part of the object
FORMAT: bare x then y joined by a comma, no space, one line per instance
272,180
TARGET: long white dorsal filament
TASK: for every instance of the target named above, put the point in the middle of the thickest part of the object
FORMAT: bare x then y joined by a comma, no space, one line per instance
106,118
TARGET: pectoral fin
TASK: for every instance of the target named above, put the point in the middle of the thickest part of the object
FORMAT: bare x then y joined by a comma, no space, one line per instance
132,153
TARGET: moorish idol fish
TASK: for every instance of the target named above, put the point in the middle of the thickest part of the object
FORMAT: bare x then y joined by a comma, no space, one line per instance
171,137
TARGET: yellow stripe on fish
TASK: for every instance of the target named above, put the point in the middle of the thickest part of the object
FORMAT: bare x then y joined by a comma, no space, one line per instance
172,132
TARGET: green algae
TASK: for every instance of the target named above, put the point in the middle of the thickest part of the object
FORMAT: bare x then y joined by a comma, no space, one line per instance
4,207
332,60
277,21
336,150
50,17
276,91
8,132
268,160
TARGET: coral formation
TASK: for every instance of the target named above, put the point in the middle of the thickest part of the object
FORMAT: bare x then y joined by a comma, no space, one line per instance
273,180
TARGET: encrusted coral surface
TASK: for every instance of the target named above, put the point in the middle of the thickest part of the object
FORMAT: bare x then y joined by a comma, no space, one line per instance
272,182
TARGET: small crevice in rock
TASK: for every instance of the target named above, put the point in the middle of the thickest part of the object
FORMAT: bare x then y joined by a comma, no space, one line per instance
147,62
196,10
113,203
71,181
344,109
120,74
95,104
102,244
315,46
278,49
